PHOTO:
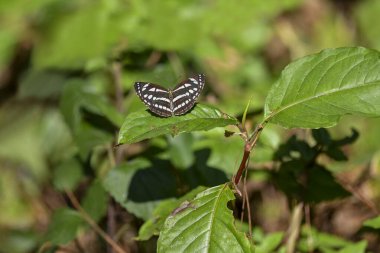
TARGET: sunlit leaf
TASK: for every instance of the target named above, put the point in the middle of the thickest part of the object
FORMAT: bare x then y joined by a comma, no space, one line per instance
373,223
225,153
315,91
162,211
69,43
269,243
205,224
180,150
359,247
143,125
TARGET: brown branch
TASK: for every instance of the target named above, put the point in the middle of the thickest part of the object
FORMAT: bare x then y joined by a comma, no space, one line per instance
249,145
93,224
153,59
243,163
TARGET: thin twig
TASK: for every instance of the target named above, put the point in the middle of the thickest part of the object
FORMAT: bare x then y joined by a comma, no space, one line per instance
93,224
294,228
79,246
358,195
242,209
111,221
153,59
308,222
248,205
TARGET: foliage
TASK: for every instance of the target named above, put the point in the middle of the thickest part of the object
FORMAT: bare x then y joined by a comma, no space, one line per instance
85,165
204,224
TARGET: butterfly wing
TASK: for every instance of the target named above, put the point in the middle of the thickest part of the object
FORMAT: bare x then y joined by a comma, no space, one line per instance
155,97
186,93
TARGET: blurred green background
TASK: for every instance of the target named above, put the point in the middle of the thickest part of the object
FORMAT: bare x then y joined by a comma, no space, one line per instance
67,70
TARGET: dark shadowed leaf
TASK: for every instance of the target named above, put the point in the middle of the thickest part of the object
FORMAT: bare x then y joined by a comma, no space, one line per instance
310,184
140,185
201,173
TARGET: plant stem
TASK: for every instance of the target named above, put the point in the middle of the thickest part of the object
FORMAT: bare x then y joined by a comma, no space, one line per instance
243,163
249,144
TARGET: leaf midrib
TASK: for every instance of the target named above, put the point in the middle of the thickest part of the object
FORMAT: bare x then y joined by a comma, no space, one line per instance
212,217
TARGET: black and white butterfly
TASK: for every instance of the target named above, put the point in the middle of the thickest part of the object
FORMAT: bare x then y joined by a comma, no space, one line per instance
167,102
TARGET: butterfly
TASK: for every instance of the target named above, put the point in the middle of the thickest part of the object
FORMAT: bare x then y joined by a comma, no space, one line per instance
167,102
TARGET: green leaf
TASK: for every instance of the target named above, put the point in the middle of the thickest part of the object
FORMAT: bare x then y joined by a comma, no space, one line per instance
245,112
355,248
64,226
68,42
315,91
206,224
41,85
180,150
143,125
270,243
140,185
90,116
76,99
201,173
322,242
224,152
67,175
96,200
373,223
367,14
162,211
18,241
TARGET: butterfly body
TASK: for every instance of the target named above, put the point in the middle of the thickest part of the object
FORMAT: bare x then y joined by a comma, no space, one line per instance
171,102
